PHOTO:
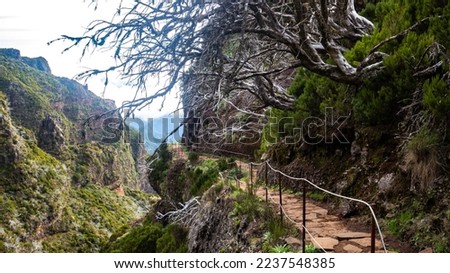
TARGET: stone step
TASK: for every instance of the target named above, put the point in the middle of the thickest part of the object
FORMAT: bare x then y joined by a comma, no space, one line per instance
352,249
366,242
352,235
326,243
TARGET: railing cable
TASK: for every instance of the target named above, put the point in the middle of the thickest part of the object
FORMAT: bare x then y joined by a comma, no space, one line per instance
331,193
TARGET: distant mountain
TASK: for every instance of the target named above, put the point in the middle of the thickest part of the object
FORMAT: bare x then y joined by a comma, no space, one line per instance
155,130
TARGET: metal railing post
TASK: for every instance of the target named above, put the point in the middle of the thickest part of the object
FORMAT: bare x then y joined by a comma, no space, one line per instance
372,236
281,197
304,218
267,183
250,190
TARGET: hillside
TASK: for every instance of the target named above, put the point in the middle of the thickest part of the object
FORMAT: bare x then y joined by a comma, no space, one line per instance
384,139
63,188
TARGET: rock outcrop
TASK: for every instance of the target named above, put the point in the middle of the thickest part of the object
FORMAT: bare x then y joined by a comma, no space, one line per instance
39,63
51,136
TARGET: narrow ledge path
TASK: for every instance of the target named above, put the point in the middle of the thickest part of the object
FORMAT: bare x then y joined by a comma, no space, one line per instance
329,232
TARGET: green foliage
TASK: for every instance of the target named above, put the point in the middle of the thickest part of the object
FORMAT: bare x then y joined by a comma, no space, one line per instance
275,234
248,205
423,142
436,97
161,165
151,237
276,229
399,225
204,176
377,100
222,164
103,164
236,173
142,239
423,158
280,249
64,203
441,245
173,240
317,195
193,156
310,248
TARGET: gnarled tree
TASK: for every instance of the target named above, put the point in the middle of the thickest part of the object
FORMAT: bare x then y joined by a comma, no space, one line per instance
244,45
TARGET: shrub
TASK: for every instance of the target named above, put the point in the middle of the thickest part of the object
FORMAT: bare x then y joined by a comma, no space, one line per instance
436,97
422,158
280,249
173,240
223,165
247,205
310,248
152,237
160,166
398,226
193,156
139,240
204,176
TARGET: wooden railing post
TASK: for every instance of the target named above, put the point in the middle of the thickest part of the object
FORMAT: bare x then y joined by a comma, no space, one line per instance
281,197
267,183
304,218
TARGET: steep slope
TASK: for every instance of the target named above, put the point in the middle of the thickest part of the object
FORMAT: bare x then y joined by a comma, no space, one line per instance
385,141
65,185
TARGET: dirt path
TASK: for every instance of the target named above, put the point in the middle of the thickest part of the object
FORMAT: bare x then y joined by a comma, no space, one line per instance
329,231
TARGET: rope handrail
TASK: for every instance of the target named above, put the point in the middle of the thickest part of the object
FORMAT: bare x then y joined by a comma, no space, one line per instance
331,193
296,223
290,219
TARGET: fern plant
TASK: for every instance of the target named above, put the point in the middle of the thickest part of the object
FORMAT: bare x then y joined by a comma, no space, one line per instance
280,249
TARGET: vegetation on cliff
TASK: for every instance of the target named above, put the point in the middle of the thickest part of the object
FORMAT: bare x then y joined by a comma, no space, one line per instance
384,140
61,189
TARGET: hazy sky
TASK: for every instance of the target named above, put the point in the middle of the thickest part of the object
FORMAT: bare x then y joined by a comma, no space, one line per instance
29,25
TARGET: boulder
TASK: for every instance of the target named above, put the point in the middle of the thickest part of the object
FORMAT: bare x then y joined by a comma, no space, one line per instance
385,182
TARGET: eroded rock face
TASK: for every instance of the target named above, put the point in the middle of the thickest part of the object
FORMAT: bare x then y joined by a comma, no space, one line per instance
9,153
385,182
51,136
39,63
213,230
10,53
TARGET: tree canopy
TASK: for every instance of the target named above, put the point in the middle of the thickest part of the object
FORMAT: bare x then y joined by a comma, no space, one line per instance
247,45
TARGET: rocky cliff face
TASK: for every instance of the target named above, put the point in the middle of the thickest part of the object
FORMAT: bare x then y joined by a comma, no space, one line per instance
213,230
64,186
39,63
